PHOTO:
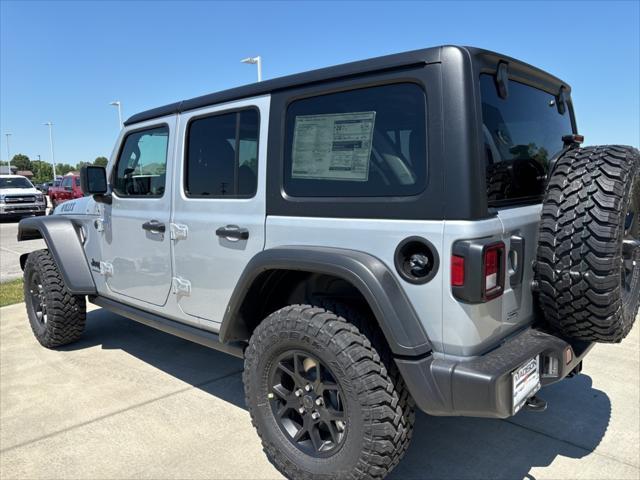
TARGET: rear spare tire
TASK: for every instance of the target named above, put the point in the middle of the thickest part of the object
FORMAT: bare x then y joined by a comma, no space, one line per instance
588,256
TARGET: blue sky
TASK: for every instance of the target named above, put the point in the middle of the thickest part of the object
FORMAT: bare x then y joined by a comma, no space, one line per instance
65,61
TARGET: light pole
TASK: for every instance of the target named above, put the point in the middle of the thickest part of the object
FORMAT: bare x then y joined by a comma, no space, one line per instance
8,151
53,160
39,163
116,103
257,61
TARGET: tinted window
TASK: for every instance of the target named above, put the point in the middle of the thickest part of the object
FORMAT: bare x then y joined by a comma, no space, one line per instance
361,143
522,133
142,165
222,155
77,181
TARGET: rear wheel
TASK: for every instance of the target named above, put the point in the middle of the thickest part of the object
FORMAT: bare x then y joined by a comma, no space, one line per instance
56,316
588,261
321,398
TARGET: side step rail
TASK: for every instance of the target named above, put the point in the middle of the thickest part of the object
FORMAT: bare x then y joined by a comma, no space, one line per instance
193,334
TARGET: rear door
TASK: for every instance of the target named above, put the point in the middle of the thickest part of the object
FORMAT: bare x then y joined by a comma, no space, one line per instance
136,245
219,210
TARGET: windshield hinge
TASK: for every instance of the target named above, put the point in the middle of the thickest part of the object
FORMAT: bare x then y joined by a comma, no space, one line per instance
180,286
178,231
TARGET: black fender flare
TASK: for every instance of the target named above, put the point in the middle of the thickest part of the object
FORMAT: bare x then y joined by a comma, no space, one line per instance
63,241
398,320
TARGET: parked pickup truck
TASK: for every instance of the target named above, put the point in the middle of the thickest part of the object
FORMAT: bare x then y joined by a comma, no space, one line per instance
68,188
19,197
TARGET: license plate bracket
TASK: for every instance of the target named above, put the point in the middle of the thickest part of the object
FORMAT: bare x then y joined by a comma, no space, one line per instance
525,381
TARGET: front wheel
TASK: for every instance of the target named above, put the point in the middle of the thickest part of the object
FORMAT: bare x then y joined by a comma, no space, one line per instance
57,317
321,398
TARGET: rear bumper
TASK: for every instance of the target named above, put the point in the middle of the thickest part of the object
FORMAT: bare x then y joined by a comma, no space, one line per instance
482,386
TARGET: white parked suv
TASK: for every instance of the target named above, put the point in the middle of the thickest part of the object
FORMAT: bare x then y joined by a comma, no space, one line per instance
18,197
420,229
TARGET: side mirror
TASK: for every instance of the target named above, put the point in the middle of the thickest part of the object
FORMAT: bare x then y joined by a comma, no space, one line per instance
93,180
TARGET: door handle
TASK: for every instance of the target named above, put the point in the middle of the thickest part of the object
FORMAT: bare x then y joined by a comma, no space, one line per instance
233,231
154,226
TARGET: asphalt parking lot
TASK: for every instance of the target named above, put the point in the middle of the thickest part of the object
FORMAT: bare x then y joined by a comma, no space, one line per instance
130,402
11,249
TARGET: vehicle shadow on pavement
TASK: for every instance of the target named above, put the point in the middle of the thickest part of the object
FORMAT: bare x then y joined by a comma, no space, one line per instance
470,448
442,448
207,369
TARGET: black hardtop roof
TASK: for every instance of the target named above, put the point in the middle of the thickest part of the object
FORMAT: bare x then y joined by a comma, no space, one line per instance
376,64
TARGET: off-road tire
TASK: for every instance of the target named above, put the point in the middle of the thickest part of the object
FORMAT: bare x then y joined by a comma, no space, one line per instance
579,265
65,312
379,416
362,319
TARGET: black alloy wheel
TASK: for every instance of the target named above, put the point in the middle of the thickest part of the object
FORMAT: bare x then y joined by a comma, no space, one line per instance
631,244
307,403
37,297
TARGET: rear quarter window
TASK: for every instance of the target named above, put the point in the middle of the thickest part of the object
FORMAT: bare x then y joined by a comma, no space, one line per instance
369,142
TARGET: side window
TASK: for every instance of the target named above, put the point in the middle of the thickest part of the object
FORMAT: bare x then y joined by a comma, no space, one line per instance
369,142
142,166
222,155
66,182
77,181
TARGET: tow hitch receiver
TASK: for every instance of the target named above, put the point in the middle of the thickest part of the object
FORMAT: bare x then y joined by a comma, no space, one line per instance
535,404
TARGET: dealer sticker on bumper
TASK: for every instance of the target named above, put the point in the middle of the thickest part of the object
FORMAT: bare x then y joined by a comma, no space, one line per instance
526,382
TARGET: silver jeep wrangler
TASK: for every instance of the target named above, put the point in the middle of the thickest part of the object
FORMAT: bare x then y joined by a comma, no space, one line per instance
420,229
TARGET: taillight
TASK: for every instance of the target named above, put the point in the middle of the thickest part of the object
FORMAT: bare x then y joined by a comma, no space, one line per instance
477,270
457,271
493,270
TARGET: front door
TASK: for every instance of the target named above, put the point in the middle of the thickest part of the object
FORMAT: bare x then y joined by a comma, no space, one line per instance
136,241
219,210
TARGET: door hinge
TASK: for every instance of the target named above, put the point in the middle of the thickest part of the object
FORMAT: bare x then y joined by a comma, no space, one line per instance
180,286
106,269
178,231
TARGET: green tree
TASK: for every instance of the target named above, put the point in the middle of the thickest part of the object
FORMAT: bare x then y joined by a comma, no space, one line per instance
101,161
64,168
21,162
42,171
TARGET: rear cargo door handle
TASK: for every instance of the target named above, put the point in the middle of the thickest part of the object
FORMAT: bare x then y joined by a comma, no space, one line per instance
233,232
154,226
516,260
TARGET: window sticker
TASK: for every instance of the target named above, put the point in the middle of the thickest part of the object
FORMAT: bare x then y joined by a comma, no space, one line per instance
334,146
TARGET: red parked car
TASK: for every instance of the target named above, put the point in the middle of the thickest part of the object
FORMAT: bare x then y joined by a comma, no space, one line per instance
68,189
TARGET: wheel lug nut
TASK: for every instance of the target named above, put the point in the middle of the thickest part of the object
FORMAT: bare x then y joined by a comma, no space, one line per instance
308,387
298,393
301,410
319,401
315,415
